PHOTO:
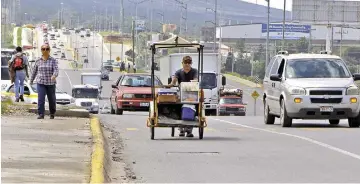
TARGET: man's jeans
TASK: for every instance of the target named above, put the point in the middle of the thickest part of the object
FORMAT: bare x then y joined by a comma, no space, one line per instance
19,83
187,130
50,92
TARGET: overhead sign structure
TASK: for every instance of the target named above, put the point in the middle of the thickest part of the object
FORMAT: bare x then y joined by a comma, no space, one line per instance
324,12
140,25
292,31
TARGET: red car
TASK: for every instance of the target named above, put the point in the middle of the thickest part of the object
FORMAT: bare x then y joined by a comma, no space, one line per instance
231,103
132,92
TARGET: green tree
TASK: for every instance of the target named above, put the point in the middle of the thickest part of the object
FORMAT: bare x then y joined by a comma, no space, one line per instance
302,45
229,60
240,46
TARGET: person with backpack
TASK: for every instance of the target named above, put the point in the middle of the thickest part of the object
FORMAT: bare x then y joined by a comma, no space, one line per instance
19,68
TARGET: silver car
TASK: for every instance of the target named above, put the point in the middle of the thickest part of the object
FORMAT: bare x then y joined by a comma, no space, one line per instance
310,86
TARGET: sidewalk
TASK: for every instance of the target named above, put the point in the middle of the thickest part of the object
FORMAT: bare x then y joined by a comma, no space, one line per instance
46,151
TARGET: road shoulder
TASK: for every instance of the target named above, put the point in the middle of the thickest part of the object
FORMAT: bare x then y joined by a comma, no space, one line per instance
116,160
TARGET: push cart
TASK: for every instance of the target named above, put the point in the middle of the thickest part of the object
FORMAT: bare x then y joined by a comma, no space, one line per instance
167,114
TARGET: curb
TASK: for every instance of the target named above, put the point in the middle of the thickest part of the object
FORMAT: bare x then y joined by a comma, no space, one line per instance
65,113
98,153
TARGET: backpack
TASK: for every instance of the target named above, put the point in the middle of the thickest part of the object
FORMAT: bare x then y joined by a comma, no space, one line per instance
18,63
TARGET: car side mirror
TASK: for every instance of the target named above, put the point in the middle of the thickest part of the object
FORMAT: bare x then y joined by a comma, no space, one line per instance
114,86
275,77
223,81
169,80
356,76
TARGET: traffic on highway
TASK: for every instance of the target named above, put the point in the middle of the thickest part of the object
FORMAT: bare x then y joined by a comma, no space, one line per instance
190,120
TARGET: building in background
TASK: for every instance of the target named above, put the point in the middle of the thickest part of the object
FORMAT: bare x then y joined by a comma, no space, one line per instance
169,28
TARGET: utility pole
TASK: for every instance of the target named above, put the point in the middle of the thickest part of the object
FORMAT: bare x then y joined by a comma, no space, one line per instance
133,41
151,16
215,25
343,21
267,32
102,52
121,20
283,29
61,15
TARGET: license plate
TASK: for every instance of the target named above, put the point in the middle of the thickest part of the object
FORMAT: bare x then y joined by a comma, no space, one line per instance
144,104
326,109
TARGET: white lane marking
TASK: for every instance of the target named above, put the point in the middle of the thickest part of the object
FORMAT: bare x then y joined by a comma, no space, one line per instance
353,155
68,78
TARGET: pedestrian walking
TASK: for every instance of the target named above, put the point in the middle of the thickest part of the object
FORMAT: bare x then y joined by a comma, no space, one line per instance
46,70
128,67
18,68
134,67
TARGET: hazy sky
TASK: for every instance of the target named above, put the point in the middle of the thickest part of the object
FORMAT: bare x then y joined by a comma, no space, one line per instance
279,3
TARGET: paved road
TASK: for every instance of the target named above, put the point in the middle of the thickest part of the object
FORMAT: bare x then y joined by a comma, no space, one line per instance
241,150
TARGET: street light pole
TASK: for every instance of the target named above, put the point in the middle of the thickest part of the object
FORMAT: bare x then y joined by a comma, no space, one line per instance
267,32
283,29
215,22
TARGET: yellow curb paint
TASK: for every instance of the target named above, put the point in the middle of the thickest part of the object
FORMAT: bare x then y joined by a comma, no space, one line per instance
98,154
209,129
131,129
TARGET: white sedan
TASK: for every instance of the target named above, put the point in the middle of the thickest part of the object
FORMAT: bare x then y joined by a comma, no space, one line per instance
31,95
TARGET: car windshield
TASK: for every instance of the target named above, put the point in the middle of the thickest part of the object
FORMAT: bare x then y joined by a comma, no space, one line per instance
139,81
5,60
85,93
231,101
34,88
316,68
5,73
209,81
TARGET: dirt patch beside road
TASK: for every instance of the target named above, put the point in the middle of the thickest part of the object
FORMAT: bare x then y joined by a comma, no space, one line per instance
121,170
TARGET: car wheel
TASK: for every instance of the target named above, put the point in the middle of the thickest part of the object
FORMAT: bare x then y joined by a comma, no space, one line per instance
112,110
118,111
269,119
285,120
354,122
334,121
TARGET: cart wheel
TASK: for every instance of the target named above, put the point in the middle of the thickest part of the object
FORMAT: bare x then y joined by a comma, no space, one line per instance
172,131
201,132
152,131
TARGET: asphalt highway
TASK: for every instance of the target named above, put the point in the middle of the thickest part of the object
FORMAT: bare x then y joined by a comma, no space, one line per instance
241,149
234,149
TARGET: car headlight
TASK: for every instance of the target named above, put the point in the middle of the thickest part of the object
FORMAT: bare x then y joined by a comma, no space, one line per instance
352,90
128,95
297,91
